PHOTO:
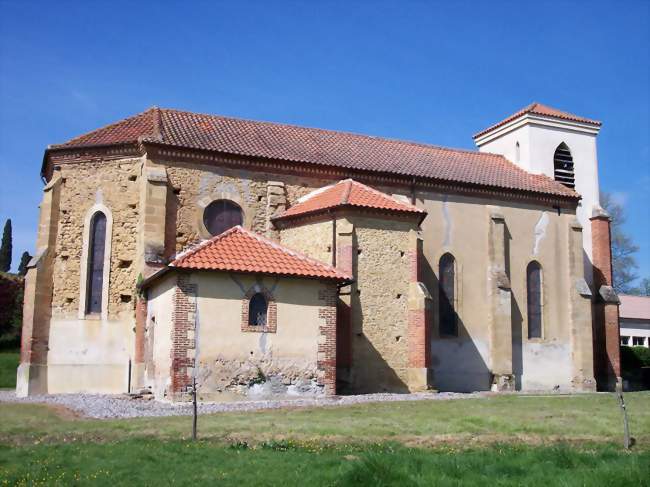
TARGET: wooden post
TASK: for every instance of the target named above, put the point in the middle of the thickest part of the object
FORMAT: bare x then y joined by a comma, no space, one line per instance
194,408
626,425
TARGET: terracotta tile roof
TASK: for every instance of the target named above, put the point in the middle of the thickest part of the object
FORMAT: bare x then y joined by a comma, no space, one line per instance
320,147
634,307
539,109
240,250
348,193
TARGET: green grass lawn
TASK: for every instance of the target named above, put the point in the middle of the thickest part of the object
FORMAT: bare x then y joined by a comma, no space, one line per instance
501,440
8,366
143,462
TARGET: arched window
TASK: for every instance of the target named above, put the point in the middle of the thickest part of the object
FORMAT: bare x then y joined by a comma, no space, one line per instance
257,308
95,275
221,215
447,284
517,153
534,299
563,166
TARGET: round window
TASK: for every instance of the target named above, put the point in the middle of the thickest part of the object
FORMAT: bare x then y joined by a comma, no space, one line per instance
221,215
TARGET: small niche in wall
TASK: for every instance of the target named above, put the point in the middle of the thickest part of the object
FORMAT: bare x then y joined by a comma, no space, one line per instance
401,253
124,264
260,198
133,177
359,251
125,298
176,191
398,296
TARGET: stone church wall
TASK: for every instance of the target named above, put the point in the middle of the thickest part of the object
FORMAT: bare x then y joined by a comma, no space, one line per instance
115,184
381,258
194,186
314,240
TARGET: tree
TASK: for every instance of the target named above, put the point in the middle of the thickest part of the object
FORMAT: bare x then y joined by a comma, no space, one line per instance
24,260
5,248
643,289
623,248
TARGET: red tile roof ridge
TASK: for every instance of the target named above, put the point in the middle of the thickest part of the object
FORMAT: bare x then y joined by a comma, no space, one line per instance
342,195
382,194
331,131
263,240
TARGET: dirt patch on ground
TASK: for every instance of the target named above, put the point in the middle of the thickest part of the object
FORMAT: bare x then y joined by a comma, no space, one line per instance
64,412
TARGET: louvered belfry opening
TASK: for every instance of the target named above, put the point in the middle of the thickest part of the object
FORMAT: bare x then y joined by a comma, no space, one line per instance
563,165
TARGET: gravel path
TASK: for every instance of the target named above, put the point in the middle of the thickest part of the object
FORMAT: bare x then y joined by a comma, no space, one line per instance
122,406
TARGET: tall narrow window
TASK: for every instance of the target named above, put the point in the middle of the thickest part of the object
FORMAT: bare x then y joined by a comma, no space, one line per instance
257,308
563,166
95,274
534,299
447,281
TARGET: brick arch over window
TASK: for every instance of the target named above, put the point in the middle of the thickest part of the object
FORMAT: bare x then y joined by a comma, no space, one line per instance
95,262
448,320
563,169
253,299
534,283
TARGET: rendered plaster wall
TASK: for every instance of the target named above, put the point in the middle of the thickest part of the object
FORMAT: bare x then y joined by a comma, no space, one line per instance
238,363
158,333
89,355
460,225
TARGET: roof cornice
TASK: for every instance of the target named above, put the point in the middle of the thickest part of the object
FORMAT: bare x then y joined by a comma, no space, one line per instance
535,120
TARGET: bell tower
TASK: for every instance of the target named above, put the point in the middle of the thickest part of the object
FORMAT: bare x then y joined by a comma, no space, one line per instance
562,146
544,140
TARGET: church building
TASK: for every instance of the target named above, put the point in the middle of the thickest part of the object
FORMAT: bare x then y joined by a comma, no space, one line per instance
256,259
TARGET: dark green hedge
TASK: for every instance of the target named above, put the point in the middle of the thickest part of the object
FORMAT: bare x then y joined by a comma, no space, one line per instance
634,357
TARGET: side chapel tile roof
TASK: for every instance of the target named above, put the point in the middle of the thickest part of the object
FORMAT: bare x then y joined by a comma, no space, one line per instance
348,193
240,250
320,147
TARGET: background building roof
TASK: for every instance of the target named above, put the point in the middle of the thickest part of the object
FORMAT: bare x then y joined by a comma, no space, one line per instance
634,307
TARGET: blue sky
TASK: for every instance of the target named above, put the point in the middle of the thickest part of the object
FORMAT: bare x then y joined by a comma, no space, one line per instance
434,72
